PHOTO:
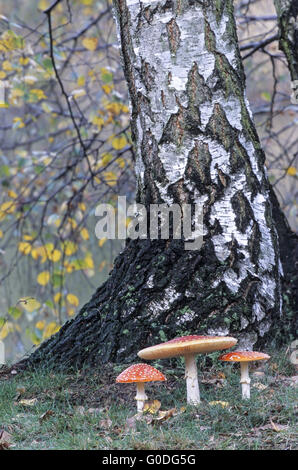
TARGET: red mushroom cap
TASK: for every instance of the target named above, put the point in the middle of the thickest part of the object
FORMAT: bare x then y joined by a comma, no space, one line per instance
140,373
244,356
192,344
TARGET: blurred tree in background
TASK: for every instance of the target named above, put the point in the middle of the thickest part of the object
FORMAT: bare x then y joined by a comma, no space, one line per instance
65,146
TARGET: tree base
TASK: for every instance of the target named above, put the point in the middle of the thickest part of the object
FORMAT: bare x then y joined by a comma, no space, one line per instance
158,291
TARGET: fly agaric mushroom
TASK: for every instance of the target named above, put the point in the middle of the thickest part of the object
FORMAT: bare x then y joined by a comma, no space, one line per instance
140,373
188,347
244,357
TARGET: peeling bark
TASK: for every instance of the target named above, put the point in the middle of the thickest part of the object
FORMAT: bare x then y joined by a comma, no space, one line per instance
195,142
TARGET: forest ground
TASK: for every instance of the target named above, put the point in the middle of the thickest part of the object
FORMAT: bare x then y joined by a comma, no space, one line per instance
88,410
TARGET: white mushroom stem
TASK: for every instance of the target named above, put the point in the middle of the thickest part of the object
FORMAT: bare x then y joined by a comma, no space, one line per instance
141,396
245,380
191,376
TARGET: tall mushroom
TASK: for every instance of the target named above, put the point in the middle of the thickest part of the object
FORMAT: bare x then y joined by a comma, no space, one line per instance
188,347
244,357
139,374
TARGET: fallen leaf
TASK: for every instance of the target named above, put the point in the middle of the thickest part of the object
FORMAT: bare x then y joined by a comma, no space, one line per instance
131,422
28,402
105,423
5,439
80,410
260,386
46,415
151,406
223,404
94,410
278,427
164,415
258,374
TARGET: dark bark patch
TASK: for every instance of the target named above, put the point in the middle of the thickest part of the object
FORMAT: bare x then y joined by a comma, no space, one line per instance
173,35
254,244
243,211
219,128
198,166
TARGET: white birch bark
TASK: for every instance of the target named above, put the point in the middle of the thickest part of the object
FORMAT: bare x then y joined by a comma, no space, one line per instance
195,140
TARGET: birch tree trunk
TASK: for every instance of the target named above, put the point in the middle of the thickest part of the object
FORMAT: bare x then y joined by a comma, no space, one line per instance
195,142
287,13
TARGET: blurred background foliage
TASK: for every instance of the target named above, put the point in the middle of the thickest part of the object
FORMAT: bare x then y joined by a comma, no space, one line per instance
65,146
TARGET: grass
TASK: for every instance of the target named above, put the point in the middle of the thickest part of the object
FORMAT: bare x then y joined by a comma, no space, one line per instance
84,410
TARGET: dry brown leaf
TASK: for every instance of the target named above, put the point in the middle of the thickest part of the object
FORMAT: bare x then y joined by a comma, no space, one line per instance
46,415
105,423
95,410
80,410
260,386
5,440
164,415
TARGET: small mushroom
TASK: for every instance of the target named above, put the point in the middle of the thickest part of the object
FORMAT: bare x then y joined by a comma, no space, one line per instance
188,347
244,357
140,373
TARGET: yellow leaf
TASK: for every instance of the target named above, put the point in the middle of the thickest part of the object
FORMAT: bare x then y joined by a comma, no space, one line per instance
38,93
89,261
78,93
43,4
25,248
98,121
85,234
121,162
110,178
223,404
50,330
2,75
6,208
6,329
1,233
40,325
81,81
291,171
119,143
151,406
69,247
72,300
6,65
12,194
106,158
55,256
107,88
29,304
102,241
114,108
19,121
23,60
43,278
90,43
57,297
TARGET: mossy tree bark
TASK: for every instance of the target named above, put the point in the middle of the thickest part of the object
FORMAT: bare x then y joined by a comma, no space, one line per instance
195,143
287,13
